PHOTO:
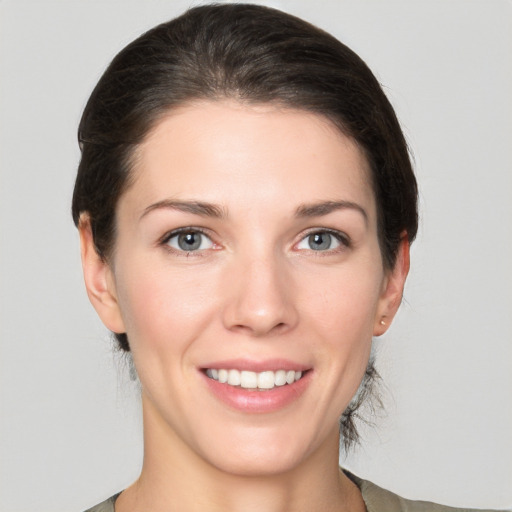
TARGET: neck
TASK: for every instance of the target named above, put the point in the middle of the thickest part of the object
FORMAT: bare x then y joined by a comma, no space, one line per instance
174,477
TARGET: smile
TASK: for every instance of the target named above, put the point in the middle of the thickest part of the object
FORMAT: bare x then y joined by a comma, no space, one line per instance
254,380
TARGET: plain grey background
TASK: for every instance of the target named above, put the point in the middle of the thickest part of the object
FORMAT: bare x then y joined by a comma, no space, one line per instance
69,418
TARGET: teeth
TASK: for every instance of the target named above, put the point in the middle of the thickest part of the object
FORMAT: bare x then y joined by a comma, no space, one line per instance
234,378
280,378
248,380
253,380
266,380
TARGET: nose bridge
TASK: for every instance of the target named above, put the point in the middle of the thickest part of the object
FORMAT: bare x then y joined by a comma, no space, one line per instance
261,301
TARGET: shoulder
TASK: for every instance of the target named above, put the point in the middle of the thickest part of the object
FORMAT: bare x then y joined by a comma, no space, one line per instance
105,506
378,499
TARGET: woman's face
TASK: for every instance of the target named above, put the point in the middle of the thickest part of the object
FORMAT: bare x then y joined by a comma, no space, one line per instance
247,250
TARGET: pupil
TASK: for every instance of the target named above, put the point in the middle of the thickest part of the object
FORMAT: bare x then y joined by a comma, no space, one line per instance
189,241
320,241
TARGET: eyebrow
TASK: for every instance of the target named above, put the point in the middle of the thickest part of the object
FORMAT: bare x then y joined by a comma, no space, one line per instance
212,210
194,207
325,207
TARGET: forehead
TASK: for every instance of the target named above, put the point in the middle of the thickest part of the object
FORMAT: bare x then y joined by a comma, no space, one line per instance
225,151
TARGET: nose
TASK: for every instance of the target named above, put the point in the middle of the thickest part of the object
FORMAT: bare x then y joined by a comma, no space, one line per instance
260,299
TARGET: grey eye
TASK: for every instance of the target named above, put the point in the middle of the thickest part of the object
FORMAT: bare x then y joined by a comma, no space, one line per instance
320,241
190,241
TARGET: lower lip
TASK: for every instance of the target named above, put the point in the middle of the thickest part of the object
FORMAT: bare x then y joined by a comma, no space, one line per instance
255,401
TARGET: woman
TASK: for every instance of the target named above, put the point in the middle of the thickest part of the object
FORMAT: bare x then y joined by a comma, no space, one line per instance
245,203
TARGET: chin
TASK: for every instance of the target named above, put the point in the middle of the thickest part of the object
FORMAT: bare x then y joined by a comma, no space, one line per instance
261,465
264,455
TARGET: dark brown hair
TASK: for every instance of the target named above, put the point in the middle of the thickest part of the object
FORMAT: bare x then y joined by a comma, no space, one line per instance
253,54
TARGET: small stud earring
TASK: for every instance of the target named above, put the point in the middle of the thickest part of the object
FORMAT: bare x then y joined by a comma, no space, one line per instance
382,322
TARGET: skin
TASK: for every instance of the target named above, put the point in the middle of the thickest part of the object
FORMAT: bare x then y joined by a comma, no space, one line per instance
254,290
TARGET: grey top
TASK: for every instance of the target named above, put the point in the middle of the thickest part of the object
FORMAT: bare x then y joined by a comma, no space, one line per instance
375,498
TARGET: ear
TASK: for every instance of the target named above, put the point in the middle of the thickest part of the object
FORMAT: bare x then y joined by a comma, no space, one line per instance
393,289
99,279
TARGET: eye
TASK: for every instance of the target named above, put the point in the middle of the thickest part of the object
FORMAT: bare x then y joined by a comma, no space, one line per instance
322,241
189,241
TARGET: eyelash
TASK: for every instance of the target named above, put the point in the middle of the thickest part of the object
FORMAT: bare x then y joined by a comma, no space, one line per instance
340,237
164,241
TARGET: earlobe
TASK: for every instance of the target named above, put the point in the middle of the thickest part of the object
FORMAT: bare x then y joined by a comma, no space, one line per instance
99,280
393,289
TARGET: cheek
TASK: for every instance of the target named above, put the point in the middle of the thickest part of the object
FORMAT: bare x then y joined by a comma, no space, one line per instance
347,320
163,308
345,302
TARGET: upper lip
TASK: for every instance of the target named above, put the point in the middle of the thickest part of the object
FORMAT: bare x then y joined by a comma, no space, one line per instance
257,366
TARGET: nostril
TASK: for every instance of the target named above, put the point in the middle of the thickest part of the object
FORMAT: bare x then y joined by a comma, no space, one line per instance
260,328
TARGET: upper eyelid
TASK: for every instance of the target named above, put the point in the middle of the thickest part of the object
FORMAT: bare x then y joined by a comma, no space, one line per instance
188,229
335,232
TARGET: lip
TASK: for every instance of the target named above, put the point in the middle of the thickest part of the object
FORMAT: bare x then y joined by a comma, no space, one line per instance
257,366
258,401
